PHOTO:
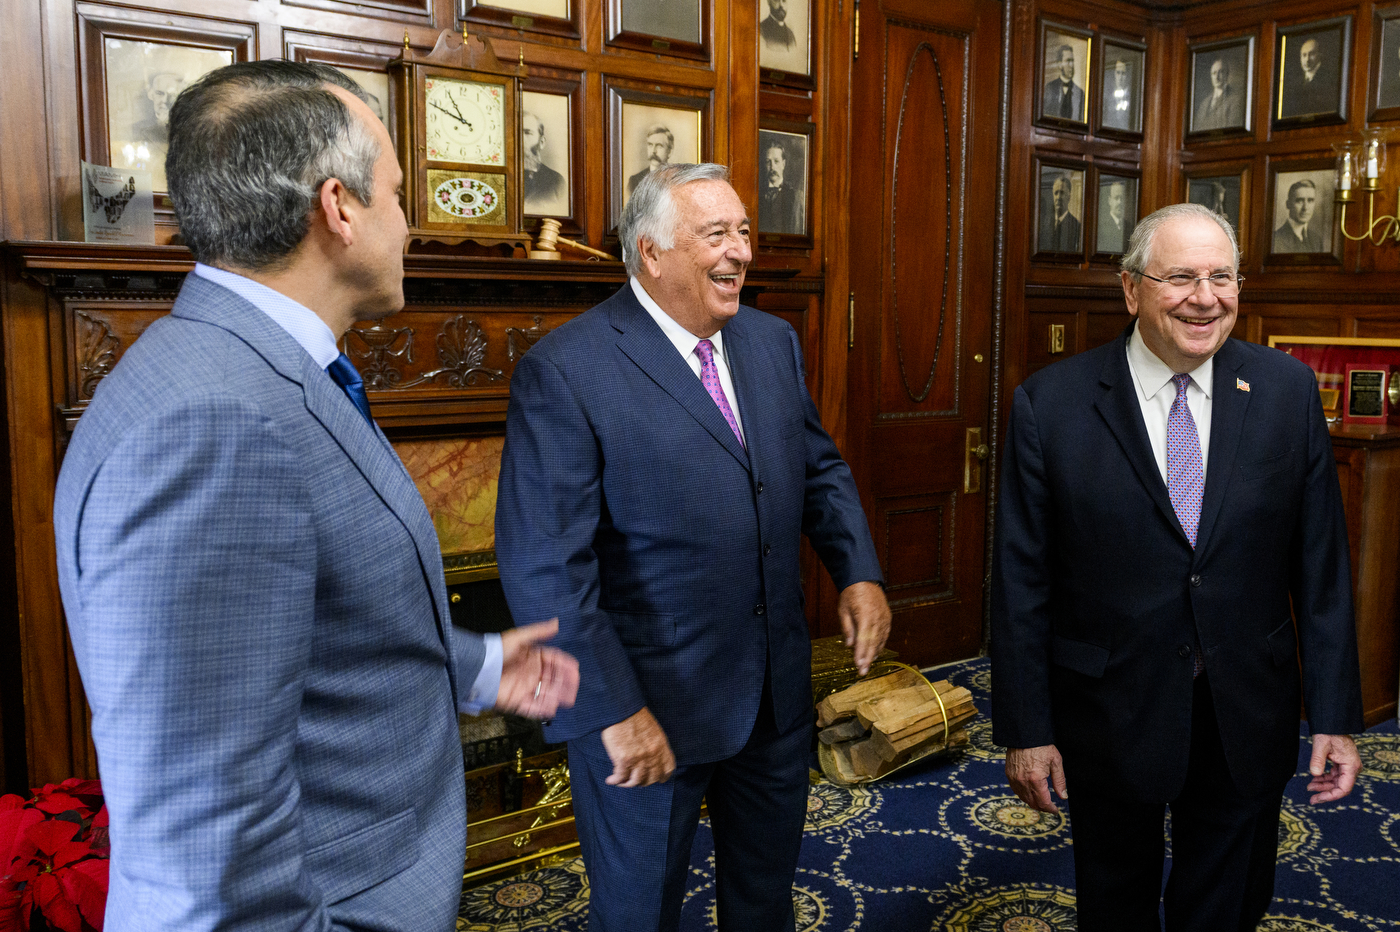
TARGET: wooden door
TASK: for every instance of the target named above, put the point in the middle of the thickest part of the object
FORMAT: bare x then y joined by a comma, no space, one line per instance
924,115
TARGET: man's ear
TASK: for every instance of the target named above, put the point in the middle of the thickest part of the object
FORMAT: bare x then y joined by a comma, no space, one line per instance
1130,292
651,256
335,209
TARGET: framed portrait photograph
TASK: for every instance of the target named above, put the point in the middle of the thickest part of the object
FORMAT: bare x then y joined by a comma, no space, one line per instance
1224,188
668,27
1301,227
1221,94
1313,68
785,40
361,61
143,80
1117,212
545,137
132,69
1066,55
1385,65
1059,210
784,183
552,17
648,131
1120,88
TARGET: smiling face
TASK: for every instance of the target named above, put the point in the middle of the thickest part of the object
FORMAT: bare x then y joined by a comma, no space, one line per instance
1183,329
697,281
1302,201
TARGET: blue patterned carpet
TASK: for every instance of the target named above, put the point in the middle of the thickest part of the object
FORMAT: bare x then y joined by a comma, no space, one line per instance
947,846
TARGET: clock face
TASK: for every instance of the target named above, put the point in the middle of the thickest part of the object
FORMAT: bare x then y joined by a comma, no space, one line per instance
465,121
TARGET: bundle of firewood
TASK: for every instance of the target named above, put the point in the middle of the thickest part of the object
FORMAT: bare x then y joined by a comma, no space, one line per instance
877,725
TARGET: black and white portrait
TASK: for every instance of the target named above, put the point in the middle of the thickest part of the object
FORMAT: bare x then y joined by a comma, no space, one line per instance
1061,210
1120,105
1221,193
1302,217
1387,68
1118,209
143,80
544,154
1066,60
1312,70
653,136
670,19
783,35
782,182
1222,82
376,85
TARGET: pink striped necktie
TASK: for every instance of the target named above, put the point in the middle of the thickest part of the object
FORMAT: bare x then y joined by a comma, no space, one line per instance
709,375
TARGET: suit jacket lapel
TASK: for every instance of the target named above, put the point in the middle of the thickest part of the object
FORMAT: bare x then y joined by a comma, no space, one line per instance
1228,405
643,342
364,444
1118,405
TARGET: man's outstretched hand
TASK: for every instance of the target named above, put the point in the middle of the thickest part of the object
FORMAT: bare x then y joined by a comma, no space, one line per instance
536,681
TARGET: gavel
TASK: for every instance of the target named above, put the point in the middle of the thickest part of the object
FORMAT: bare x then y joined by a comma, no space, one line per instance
548,243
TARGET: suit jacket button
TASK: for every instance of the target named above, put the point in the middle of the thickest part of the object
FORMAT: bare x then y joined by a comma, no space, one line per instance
759,488
1184,651
1195,579
767,549
760,608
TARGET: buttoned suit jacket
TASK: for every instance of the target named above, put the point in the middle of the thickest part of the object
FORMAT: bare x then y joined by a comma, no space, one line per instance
669,552
1097,595
257,605
1225,113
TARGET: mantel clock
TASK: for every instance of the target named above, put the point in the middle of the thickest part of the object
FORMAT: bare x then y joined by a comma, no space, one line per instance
457,121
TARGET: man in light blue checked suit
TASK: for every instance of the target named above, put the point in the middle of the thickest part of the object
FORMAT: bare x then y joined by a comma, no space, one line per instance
252,582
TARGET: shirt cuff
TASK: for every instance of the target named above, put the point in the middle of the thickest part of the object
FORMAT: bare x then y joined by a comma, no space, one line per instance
488,680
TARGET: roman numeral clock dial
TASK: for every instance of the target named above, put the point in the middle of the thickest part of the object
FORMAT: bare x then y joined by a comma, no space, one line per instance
458,132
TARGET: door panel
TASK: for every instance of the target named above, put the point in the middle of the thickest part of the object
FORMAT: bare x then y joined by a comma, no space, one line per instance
922,267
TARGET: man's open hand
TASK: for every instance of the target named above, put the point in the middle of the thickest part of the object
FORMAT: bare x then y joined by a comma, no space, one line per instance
536,681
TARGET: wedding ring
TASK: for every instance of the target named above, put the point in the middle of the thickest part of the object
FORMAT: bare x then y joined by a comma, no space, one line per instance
539,686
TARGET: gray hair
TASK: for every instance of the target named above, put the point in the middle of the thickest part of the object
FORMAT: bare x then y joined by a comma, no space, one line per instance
250,146
651,213
1139,253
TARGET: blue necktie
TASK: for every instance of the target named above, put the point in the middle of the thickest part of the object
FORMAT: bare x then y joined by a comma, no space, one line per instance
343,371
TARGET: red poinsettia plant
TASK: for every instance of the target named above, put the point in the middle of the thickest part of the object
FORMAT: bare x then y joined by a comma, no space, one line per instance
53,859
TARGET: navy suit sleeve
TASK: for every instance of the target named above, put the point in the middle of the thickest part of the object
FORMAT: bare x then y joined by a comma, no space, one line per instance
1021,589
1321,590
549,500
197,559
832,517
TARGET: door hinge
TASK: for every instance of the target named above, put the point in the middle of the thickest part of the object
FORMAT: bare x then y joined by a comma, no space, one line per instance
855,48
851,323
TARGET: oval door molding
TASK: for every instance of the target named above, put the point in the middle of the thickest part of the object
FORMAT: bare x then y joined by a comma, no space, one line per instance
923,232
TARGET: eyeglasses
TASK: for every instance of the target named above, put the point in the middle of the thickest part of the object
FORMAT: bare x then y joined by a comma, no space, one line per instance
1224,284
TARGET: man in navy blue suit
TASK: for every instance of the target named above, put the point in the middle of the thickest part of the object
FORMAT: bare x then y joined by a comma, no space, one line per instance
1170,541
663,460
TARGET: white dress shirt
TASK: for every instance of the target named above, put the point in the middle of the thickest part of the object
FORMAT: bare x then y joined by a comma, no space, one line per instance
314,336
685,343
1155,393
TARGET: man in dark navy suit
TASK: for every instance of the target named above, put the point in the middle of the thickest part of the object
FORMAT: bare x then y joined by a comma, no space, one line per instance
663,460
1170,540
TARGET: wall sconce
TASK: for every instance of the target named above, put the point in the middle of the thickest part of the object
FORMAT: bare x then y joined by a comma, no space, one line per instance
1359,168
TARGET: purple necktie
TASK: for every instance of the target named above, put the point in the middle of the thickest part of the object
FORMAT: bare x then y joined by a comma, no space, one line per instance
709,375
1186,480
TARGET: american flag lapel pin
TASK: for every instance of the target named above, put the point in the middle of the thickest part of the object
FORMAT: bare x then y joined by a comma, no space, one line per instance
1242,385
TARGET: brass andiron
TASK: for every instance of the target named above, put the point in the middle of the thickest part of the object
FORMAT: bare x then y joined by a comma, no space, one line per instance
549,241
